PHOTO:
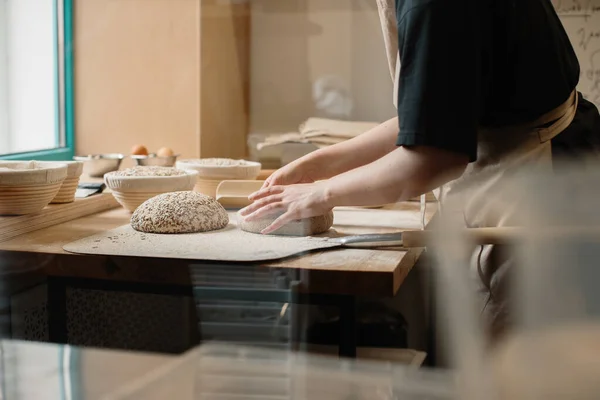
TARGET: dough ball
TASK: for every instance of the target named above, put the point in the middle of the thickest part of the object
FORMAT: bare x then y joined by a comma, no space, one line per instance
139,150
165,152
179,212
302,227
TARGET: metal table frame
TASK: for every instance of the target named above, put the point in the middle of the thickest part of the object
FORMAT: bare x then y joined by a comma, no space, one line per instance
57,287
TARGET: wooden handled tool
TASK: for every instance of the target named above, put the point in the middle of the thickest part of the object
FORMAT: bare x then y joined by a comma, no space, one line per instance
478,236
409,239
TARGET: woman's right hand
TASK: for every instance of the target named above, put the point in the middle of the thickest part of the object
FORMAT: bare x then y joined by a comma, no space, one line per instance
299,171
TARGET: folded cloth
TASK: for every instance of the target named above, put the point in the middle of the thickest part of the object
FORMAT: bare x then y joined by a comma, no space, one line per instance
321,132
281,138
326,140
333,127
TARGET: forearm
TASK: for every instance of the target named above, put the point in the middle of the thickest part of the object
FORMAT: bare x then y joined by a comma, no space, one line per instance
356,152
398,176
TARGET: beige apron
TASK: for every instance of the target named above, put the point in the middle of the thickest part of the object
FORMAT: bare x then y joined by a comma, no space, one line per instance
501,155
387,16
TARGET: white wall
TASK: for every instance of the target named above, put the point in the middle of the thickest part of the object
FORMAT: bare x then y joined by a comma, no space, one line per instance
582,23
295,43
27,115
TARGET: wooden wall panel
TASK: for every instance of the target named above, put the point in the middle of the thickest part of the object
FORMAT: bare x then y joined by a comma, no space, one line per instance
161,73
225,66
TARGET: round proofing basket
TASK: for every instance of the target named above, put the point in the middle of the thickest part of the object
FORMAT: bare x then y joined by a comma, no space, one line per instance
206,171
28,187
31,173
27,199
132,191
131,201
66,194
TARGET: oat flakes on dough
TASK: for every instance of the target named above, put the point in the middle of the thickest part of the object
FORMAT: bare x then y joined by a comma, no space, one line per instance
302,227
179,212
153,170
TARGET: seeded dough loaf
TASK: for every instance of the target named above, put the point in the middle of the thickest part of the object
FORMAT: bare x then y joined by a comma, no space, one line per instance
302,227
179,212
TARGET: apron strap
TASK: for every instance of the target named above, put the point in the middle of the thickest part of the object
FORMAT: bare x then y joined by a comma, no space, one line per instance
562,116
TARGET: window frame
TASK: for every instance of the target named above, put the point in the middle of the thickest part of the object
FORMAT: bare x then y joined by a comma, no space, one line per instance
63,87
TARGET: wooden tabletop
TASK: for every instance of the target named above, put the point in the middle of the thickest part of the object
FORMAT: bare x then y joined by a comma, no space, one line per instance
341,271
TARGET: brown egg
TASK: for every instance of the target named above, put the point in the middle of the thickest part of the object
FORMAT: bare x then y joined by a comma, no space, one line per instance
164,152
139,150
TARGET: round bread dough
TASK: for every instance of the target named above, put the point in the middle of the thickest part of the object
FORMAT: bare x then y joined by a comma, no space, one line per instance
303,227
179,212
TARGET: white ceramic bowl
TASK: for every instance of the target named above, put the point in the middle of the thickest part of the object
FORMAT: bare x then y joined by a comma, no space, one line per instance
222,168
212,171
66,194
153,159
26,187
132,191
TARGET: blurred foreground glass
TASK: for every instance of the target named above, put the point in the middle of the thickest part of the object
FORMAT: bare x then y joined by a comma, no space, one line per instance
230,372
551,349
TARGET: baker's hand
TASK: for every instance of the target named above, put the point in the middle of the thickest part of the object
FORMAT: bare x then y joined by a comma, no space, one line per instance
299,171
293,202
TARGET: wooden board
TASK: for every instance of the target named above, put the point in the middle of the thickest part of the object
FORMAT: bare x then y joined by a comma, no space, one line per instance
265,173
234,194
54,214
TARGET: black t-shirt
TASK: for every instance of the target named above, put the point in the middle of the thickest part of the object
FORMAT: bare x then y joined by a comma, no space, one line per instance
472,63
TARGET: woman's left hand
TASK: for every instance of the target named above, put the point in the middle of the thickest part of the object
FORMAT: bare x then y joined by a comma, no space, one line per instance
293,202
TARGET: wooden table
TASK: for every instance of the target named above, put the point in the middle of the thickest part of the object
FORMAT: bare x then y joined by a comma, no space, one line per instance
337,276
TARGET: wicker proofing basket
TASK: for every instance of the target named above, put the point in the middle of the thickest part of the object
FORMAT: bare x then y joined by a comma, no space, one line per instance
132,191
66,194
131,201
210,176
206,170
28,187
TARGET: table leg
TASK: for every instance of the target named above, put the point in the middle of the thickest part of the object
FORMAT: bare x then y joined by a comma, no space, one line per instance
294,317
57,310
348,339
